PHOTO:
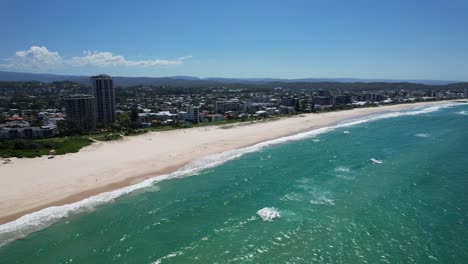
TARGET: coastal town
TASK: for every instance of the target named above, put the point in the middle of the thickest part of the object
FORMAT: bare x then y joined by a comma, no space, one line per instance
33,110
235,132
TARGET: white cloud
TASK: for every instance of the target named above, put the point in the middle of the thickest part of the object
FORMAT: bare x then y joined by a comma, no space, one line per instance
185,57
35,58
40,58
108,59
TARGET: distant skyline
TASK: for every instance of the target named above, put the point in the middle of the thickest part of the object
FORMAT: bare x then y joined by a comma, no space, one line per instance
238,39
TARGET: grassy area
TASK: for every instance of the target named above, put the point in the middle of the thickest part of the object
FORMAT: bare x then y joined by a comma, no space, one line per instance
106,136
26,148
223,122
162,128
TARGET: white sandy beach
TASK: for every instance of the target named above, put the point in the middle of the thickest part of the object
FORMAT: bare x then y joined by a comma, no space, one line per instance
27,185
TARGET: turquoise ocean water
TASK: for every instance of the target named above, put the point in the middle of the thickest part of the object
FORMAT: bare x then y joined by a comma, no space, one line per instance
391,190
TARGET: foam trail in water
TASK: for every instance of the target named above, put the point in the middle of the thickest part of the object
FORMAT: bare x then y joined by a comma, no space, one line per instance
29,223
322,200
376,161
342,169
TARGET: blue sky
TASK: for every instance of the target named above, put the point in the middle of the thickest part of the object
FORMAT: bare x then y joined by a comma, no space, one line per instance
280,39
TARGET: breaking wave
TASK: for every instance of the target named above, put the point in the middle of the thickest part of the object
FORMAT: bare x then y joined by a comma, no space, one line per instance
422,135
376,161
41,219
268,213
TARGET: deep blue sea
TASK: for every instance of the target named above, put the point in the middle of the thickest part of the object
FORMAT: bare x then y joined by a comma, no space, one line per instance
391,188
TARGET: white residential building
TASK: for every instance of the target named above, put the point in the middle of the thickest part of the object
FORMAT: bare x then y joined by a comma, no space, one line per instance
193,113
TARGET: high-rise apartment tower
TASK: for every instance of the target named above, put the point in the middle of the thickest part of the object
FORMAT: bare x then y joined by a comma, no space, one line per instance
81,112
104,94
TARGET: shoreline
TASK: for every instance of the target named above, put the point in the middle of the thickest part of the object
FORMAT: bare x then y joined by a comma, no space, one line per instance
30,185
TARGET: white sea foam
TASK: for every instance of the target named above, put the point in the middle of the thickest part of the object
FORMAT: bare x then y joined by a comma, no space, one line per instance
422,135
35,221
168,256
346,132
291,197
342,169
269,213
464,112
376,161
322,200
343,173
345,177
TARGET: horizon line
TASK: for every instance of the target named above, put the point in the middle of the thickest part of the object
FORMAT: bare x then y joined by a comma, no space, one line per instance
248,78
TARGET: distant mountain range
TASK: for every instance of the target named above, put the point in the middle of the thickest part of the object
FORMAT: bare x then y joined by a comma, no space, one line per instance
190,81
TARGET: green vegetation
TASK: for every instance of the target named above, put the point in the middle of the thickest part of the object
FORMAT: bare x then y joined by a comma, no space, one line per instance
217,123
133,132
163,128
106,136
26,148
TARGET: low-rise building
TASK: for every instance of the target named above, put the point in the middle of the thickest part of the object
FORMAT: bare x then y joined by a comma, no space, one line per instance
182,115
8,133
214,117
146,119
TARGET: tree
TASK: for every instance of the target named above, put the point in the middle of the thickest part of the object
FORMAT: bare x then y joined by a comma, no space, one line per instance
62,126
134,118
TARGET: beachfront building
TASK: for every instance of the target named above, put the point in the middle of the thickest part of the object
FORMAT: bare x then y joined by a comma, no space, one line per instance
193,113
23,129
343,99
324,100
182,115
286,110
376,97
147,119
81,112
214,117
230,105
7,133
287,101
104,94
251,107
466,92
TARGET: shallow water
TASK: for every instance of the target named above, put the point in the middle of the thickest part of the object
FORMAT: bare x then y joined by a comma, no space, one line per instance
392,190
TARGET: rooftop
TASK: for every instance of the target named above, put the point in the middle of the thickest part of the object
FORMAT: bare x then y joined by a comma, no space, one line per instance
101,76
78,96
